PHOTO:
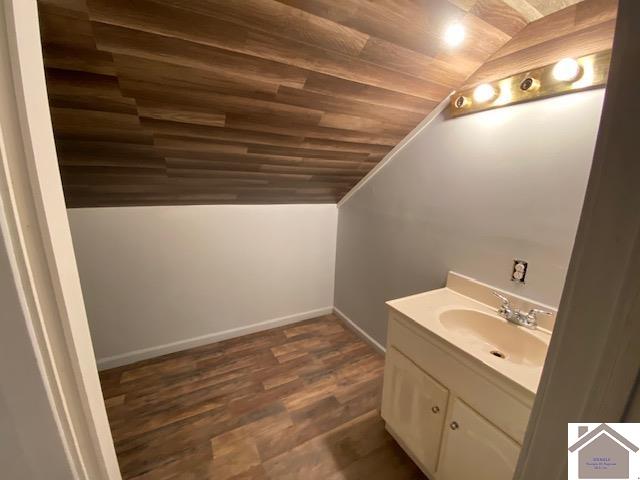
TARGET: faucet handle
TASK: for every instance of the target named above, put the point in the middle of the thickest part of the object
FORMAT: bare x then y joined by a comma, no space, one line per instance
536,311
505,300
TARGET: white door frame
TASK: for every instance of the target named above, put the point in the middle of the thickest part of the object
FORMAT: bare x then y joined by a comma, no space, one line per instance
594,356
36,234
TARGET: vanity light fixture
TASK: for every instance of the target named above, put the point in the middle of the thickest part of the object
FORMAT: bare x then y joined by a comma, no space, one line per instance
566,76
484,93
567,70
454,34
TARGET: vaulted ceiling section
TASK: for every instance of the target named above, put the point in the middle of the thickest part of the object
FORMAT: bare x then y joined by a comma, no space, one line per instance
165,102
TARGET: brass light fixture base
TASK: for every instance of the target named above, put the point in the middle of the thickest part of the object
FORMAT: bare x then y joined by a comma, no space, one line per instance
536,84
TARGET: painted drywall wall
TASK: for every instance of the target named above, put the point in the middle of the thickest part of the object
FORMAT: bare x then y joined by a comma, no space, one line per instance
159,279
12,458
470,195
28,425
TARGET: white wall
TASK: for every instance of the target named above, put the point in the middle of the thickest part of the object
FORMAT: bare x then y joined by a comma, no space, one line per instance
14,464
159,279
470,194
28,425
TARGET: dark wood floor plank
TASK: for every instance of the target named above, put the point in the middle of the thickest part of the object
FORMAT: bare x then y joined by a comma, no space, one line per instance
299,401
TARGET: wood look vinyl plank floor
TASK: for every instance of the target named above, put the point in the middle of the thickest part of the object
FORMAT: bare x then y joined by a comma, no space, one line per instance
296,402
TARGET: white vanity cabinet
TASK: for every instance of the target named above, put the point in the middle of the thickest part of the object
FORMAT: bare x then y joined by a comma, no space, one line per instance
452,418
414,404
474,448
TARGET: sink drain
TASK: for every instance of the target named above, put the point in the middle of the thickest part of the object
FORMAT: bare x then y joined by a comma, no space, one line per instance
498,354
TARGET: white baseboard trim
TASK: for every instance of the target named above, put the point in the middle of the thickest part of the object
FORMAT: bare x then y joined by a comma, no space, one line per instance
151,352
359,330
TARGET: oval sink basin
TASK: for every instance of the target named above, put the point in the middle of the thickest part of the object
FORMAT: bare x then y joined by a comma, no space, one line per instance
498,337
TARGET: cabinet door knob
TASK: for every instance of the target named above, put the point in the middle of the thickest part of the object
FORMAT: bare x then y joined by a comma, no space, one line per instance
435,409
454,425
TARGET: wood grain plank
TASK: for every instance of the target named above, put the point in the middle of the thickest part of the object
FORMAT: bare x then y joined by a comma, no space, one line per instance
170,128
271,101
339,65
65,27
99,126
98,103
546,7
273,16
402,59
500,15
421,23
188,77
192,116
273,124
328,85
328,103
82,84
183,99
217,411
589,13
169,50
581,42
70,57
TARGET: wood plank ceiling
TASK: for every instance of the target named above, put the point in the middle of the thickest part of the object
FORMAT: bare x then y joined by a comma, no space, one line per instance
158,102
577,30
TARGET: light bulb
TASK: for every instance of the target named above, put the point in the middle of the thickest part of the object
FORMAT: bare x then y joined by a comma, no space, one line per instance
454,34
484,93
567,70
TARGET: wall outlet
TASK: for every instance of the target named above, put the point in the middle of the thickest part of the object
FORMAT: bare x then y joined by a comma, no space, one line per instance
519,272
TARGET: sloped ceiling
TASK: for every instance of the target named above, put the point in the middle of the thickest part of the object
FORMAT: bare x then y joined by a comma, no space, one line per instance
158,102
577,30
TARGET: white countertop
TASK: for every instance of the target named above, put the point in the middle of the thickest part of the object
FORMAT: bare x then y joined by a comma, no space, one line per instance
425,308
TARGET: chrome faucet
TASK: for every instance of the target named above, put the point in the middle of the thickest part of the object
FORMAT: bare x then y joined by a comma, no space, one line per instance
518,317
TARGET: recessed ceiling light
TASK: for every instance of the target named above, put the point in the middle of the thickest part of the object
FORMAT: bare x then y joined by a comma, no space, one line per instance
454,34
567,70
484,93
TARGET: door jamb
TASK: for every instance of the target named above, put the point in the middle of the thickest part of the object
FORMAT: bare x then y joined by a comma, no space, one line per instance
42,250
593,362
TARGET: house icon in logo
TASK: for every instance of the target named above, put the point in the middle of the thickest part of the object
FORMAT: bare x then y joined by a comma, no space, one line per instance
603,453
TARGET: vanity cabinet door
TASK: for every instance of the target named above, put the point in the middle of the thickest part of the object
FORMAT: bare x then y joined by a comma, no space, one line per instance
475,448
413,405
